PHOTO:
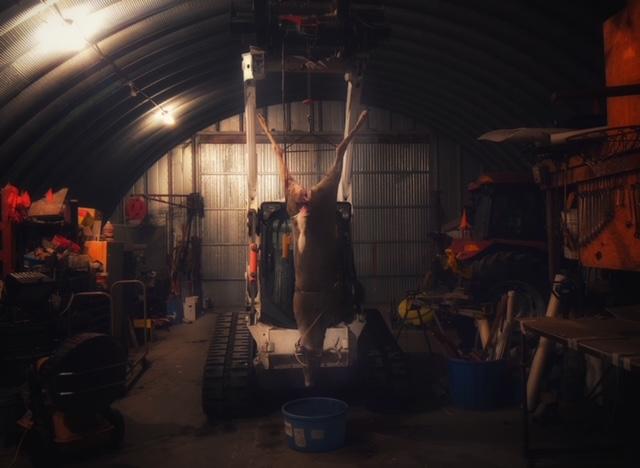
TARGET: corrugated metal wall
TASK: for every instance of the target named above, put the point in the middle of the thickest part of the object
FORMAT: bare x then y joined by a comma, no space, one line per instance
224,237
452,170
391,183
390,232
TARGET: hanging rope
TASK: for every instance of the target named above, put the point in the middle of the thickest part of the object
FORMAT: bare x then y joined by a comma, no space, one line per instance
302,337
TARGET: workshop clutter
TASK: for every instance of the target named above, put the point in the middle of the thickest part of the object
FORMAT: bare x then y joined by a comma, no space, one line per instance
61,251
482,377
53,236
18,203
90,221
52,204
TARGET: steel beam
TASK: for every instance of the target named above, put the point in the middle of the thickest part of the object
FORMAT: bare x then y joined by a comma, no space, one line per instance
352,108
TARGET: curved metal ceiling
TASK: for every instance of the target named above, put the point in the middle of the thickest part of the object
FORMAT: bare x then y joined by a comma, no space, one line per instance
460,67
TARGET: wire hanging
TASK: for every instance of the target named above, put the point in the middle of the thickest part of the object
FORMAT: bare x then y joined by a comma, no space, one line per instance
126,81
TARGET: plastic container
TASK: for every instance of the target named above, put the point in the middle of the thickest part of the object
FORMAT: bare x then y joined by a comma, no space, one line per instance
315,424
190,309
479,385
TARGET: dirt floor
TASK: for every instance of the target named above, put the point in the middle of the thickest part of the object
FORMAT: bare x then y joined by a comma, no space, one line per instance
165,426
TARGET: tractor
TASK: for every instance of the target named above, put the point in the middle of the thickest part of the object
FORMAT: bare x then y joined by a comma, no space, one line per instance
501,243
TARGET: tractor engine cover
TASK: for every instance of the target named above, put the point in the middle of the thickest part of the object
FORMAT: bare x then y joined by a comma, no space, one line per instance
87,372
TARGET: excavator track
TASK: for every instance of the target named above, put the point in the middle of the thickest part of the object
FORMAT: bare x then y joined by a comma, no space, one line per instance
228,371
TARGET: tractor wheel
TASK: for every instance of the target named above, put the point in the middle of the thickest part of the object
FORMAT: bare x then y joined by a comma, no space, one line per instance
525,273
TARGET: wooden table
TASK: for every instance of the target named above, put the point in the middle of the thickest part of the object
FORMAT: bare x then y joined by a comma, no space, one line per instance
614,340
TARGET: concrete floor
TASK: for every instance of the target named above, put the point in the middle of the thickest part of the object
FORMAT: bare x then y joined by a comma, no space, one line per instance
166,428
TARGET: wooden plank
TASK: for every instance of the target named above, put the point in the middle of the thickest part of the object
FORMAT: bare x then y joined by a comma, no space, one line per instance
622,346
613,339
564,330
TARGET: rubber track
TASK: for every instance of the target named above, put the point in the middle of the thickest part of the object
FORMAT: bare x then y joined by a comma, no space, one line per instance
226,379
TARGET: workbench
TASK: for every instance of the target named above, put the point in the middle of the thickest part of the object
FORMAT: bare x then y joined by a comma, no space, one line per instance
614,340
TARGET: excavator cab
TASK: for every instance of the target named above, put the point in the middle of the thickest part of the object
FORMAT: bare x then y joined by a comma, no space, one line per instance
253,353
276,271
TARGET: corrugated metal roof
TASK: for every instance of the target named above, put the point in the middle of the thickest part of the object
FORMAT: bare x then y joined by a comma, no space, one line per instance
460,67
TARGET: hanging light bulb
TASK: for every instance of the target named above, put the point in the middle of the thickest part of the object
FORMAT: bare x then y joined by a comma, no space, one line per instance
166,118
60,35
69,31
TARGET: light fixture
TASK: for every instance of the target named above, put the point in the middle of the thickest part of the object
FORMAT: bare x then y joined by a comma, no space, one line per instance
166,118
73,30
133,91
68,32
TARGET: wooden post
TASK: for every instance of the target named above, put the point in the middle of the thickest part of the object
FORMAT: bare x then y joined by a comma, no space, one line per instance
544,348
553,232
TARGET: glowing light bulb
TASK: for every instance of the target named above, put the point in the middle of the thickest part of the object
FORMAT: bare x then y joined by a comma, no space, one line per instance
71,33
166,118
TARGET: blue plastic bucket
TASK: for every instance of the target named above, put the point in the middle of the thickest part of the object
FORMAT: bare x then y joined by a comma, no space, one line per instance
479,385
315,424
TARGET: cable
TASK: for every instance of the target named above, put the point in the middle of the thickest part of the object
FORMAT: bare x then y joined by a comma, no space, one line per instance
15,457
303,336
126,80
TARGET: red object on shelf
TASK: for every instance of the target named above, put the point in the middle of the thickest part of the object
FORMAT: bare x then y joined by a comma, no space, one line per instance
64,243
17,203
7,248
301,22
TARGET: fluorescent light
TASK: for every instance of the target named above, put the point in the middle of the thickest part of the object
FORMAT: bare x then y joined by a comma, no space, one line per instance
70,32
166,117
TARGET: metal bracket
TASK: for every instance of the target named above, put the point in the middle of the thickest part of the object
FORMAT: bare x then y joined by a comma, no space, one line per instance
253,65
352,108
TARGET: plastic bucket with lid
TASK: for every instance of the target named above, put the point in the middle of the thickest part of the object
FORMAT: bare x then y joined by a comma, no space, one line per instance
315,424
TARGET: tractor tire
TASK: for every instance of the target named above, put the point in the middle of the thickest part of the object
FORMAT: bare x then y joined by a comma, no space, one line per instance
87,372
524,272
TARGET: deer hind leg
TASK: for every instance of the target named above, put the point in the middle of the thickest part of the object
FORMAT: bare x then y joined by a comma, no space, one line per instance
308,311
